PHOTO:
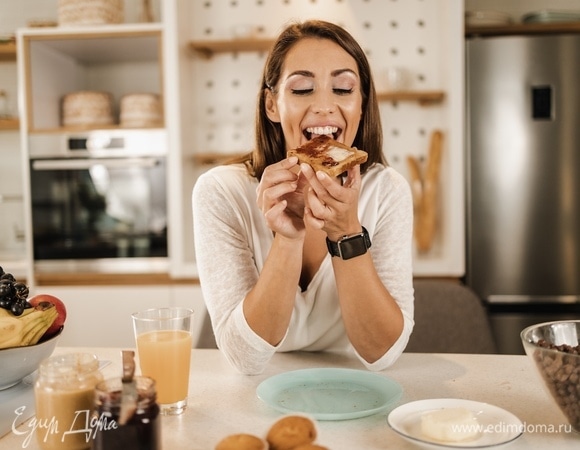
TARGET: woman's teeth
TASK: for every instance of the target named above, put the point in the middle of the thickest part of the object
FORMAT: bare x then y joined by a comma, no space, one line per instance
328,130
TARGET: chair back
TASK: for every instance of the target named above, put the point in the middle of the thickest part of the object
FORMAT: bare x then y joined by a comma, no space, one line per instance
449,318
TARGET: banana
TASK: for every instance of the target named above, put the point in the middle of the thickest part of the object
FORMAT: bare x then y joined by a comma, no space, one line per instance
28,328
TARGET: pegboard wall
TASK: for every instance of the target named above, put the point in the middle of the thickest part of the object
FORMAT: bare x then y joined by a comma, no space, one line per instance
395,34
411,35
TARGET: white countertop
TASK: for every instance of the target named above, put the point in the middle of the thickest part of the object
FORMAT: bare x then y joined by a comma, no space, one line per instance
223,402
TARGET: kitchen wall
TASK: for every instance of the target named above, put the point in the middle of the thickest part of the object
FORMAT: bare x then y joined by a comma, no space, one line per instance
423,38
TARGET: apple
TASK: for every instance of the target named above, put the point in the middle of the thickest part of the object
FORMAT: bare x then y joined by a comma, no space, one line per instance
60,309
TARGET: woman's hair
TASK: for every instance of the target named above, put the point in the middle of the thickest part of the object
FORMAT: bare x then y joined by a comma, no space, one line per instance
270,146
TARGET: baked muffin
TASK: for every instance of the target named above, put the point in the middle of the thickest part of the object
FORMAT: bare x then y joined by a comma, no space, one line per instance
310,447
290,432
241,441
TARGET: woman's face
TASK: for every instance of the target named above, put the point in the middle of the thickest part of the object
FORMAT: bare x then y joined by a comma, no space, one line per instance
318,93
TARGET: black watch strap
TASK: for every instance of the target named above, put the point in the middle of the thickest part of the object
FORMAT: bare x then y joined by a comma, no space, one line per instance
350,246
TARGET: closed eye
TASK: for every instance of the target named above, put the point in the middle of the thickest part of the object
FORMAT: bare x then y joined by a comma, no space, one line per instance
342,91
302,91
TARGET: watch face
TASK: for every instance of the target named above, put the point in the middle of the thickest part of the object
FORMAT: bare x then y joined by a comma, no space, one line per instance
354,246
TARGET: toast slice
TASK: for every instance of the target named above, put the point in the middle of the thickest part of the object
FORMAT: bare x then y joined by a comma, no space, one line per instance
330,156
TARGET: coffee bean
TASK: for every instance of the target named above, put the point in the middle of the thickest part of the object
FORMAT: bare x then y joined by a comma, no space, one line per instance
561,372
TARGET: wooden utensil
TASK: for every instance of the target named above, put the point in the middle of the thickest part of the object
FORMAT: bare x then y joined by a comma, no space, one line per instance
425,193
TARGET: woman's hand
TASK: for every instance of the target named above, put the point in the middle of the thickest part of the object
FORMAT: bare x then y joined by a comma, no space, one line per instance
280,197
331,206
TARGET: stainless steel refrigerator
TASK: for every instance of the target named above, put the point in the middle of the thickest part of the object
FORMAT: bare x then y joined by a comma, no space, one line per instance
523,179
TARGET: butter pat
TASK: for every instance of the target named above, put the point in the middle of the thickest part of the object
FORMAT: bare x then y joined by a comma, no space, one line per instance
450,425
338,154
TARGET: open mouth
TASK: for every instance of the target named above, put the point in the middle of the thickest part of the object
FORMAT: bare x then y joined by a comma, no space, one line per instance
312,132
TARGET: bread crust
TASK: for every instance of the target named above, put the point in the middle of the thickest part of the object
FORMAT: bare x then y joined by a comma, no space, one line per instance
330,156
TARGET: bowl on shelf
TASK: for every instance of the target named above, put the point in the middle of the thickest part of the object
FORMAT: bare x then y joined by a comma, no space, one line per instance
18,362
554,348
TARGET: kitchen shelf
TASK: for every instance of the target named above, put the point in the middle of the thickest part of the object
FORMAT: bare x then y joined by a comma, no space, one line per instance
207,48
422,97
522,29
9,124
80,129
211,158
8,51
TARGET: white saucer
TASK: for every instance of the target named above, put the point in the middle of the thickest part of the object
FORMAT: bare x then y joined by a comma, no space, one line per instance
498,426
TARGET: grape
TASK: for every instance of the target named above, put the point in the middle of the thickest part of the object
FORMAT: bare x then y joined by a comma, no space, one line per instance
20,291
6,288
7,276
13,294
17,308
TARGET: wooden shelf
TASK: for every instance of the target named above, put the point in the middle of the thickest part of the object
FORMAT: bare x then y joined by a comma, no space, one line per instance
423,97
80,129
11,123
523,29
8,51
208,48
211,158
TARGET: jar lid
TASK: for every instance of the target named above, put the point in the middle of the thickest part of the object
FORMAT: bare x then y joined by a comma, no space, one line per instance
70,365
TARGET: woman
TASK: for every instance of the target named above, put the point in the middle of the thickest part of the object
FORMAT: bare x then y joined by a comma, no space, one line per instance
262,225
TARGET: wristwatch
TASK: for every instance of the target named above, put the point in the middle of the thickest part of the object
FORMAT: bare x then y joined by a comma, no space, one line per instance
350,246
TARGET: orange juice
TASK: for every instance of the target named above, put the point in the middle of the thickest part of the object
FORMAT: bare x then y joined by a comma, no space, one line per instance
164,355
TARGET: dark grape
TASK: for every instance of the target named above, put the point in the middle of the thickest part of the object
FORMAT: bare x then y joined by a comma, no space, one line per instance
17,308
7,276
6,288
20,290
13,294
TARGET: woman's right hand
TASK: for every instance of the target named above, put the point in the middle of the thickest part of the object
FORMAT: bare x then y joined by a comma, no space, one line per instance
280,198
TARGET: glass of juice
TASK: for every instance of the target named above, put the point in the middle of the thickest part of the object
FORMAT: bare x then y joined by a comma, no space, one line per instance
164,342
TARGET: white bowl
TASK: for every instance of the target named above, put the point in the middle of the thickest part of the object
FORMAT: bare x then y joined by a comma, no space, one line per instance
18,362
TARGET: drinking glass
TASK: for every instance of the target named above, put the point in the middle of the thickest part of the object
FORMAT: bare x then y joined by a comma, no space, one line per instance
164,342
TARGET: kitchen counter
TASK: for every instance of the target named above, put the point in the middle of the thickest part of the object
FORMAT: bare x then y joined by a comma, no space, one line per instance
223,402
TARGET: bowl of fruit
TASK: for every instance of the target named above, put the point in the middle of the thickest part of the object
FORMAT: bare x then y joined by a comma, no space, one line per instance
29,329
554,348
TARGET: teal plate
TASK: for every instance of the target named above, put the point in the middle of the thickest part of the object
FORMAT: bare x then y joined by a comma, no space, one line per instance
330,394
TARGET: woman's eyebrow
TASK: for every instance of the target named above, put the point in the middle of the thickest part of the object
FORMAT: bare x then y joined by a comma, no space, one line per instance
309,74
303,73
338,72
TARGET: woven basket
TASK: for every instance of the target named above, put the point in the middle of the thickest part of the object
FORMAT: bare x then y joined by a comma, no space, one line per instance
87,108
141,110
90,12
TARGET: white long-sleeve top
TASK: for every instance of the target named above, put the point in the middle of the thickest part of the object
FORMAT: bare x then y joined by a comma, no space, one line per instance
232,242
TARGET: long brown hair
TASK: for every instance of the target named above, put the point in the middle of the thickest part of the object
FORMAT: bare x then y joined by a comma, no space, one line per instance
270,143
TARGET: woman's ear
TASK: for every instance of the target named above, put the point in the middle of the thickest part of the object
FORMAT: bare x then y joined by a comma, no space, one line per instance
271,107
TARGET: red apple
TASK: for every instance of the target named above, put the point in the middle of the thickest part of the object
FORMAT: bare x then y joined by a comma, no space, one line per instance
60,309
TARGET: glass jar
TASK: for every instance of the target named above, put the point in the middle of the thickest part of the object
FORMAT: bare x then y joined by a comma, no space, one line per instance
140,431
64,393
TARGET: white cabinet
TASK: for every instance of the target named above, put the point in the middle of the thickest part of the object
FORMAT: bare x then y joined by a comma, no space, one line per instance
100,316
119,59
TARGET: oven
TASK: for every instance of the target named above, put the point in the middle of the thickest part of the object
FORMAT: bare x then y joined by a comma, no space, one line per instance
99,195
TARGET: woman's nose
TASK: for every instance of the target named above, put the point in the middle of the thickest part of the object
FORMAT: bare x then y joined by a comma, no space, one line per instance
323,104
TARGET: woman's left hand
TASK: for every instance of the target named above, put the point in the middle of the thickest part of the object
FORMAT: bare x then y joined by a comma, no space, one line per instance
331,206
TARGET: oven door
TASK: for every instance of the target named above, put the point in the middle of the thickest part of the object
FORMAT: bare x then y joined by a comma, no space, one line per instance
92,208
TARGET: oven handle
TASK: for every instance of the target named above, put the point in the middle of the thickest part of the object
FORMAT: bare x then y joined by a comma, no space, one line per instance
81,164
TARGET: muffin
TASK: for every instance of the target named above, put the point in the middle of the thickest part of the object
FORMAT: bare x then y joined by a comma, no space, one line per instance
290,432
241,441
310,447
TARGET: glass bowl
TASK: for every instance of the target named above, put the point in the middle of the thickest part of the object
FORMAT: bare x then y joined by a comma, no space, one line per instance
554,347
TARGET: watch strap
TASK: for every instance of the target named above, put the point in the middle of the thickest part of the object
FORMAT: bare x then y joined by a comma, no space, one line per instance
345,248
